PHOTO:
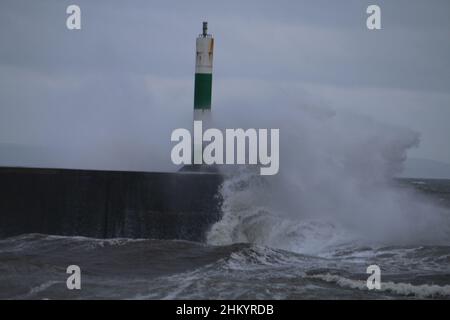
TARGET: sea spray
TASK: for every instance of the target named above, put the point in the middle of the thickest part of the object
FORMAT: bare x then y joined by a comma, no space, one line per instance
336,186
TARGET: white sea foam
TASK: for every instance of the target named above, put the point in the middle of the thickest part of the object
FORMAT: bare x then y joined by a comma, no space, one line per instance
404,289
41,288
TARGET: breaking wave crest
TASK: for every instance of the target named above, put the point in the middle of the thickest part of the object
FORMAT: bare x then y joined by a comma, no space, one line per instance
335,187
403,289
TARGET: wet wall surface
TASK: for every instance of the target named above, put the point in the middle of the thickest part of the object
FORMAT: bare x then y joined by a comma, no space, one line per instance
108,204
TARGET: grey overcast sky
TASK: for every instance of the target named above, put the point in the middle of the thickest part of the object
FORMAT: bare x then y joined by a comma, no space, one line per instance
121,84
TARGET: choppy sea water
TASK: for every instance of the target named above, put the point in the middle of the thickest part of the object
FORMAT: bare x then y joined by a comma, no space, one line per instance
243,259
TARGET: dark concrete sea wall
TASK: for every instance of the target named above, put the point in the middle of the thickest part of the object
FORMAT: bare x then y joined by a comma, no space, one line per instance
108,204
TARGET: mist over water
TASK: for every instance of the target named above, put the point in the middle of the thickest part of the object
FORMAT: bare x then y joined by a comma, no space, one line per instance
335,186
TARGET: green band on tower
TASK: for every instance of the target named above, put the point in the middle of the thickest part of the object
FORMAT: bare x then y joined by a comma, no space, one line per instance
203,91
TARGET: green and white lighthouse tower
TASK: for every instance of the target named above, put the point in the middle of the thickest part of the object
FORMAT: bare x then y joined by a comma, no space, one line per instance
203,75
202,89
